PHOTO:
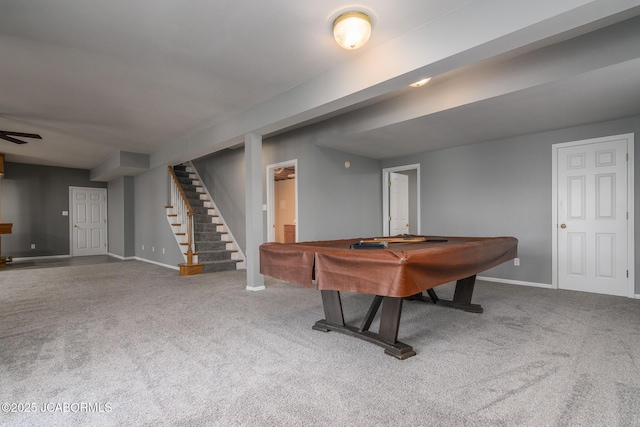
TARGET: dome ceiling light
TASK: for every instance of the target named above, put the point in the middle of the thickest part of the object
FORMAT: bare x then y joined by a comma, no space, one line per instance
352,30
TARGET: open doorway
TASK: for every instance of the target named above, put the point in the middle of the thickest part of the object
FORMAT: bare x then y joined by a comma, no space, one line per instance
401,200
282,202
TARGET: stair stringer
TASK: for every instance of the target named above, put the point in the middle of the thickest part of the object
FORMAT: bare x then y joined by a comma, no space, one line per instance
232,243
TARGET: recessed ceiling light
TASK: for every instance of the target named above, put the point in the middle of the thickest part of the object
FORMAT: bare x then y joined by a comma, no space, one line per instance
421,82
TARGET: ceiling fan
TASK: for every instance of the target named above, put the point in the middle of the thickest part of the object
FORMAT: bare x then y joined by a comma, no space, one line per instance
9,136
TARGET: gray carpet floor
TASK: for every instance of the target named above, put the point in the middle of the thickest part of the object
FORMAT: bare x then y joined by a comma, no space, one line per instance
134,344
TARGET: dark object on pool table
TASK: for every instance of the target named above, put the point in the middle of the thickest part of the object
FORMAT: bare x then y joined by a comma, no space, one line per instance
369,245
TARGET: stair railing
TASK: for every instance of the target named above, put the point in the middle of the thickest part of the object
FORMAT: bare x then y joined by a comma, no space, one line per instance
182,208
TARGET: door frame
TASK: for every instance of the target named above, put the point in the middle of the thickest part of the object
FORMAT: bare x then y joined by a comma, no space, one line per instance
71,216
385,195
630,207
271,214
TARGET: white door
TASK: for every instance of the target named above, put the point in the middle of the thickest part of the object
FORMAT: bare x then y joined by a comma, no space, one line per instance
88,221
398,204
592,217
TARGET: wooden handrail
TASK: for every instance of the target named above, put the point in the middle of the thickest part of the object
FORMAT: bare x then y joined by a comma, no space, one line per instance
190,214
184,196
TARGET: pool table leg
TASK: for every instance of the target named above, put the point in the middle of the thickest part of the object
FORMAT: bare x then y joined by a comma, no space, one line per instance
387,336
389,326
332,307
461,296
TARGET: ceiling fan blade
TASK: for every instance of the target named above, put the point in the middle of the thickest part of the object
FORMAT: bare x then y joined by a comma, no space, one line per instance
20,134
10,139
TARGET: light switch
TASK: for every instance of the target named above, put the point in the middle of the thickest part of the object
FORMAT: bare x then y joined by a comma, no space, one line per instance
65,213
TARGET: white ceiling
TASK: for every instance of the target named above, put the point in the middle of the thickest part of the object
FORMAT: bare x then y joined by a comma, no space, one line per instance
174,79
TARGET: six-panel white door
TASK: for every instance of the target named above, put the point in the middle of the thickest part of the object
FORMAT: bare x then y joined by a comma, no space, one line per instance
398,204
592,217
88,221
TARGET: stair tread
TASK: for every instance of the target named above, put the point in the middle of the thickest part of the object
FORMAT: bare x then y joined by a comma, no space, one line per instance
220,261
207,240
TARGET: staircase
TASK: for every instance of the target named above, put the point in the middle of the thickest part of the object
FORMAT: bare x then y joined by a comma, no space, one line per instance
210,241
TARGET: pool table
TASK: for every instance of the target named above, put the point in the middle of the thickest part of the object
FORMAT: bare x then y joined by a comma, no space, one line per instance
390,269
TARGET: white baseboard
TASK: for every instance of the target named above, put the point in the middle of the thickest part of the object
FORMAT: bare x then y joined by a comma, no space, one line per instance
515,282
128,258
519,282
173,267
255,288
38,258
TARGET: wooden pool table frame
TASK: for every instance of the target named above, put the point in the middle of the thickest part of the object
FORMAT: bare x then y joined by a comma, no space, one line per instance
387,336
391,275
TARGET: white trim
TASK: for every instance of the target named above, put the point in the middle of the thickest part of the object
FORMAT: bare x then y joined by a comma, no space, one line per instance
630,206
271,237
34,258
172,267
385,195
515,282
37,258
129,258
637,296
554,217
255,288
631,246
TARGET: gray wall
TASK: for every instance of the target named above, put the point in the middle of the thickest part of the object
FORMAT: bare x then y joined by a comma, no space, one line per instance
151,228
33,198
504,188
494,188
223,175
121,217
334,202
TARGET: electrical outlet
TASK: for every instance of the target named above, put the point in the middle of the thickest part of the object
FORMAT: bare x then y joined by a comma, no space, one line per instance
163,250
516,261
33,246
153,248
143,247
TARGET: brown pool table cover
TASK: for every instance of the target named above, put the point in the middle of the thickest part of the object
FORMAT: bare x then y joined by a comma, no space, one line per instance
400,270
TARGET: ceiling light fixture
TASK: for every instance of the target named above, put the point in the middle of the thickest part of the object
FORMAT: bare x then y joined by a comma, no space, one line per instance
352,29
421,82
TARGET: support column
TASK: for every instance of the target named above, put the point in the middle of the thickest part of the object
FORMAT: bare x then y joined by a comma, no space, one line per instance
253,204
